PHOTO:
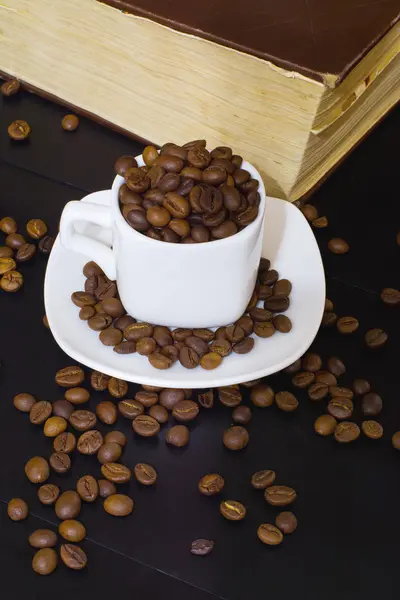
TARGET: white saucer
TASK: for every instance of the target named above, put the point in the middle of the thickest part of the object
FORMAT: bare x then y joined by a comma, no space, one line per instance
290,245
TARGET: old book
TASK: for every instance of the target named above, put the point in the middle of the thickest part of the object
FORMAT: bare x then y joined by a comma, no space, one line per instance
292,85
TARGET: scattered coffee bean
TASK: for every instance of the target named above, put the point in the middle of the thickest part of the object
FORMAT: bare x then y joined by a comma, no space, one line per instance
361,387
286,522
11,281
159,413
90,442
63,408
25,252
396,439
17,509
99,381
145,474
232,510
211,484
236,438
311,362
338,246
54,426
15,241
372,429
241,415
40,412
109,453
317,391
391,296
325,377
68,505
178,436
24,402
118,388
310,212
340,391
145,426
118,505
6,252
116,472
336,366
229,396
73,557
263,479
82,420
70,123
130,409
185,410
7,264
347,325
10,87
87,488
320,222
43,538
64,442
341,408
19,130
269,534
70,376
45,561
280,495
77,395
286,401
106,488
146,398
46,244
328,319
202,547
303,379
376,338
48,493
115,436
325,425
294,367
72,530
36,228
262,395
37,469
371,404
346,432
60,462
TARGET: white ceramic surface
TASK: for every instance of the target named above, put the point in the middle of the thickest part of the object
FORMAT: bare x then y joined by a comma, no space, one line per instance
290,245
194,285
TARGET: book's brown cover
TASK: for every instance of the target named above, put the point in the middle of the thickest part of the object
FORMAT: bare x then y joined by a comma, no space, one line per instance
312,37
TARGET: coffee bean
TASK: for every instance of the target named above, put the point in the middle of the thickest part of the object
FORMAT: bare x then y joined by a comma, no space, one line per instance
159,413
54,426
73,557
24,402
68,505
263,479
60,462
206,400
210,361
346,431
310,212
371,404
150,154
46,244
110,336
294,367
341,408
145,426
268,277
286,522
185,410
262,395
221,347
177,436
10,87
6,252
241,415
19,130
115,436
318,391
286,401
320,222
72,530
99,381
118,505
87,488
347,325
25,252
303,379
269,534
86,313
276,303
15,241
130,409
8,225
43,538
135,331
145,474
325,425
109,453
372,429
123,322
338,246
118,388
63,408
101,322
396,439
170,397
70,122
64,442
229,396
282,323
232,510
83,420
376,338
282,287
188,358
391,296
342,392
236,438
45,561
105,289
70,376
243,347
106,488
17,509
37,469
11,281
311,362
197,344
36,228
328,319
90,441
48,493
361,387
106,412
211,484
202,547
325,377
116,472
280,495
336,366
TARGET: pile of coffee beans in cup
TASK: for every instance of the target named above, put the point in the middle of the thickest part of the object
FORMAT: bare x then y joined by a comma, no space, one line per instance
104,313
186,194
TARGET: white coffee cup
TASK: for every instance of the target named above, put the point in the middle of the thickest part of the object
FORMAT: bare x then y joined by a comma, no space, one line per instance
178,285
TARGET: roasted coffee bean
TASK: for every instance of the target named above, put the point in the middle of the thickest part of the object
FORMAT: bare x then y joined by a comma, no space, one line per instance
266,329
320,223
338,246
86,313
229,396
64,442
135,331
37,469
318,391
24,402
361,387
106,488
43,538
342,392
261,314
396,439
99,381
45,561
146,346
123,322
224,230
8,225
341,408
210,361
347,325
116,436
178,436
390,296
346,431
19,130
136,180
158,216
372,429
150,154
167,235
253,301
118,505
202,547
90,441
294,367
105,289
311,362
125,348
11,281
243,347
145,426
206,399
246,324
54,426
268,277
63,408
269,534
170,397
221,347
68,505
60,462
241,415
46,244
336,366
73,556
325,425
70,376
371,404
25,252
118,388
17,509
137,220
116,472
159,413
232,510
265,292
236,438
10,87
376,338
263,479
325,377
87,488
211,484
110,336
303,379
36,228
109,453
328,319
282,323
276,303
286,401
70,123
185,410
197,344
282,287
130,409
145,474
124,163
180,334
188,358
280,495
83,420
178,206
328,305
309,211
172,351
286,522
82,299
262,395
77,395
48,493
15,241
234,333
6,252
101,322
106,411
71,530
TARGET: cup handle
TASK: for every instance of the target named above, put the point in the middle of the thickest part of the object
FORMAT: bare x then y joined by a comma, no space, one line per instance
72,240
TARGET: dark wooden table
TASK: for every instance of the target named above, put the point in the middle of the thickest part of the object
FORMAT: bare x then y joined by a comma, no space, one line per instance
346,544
